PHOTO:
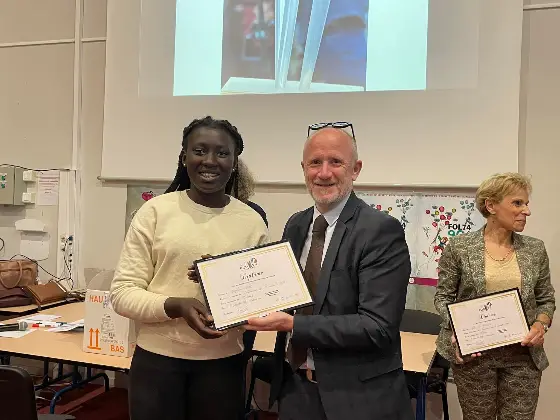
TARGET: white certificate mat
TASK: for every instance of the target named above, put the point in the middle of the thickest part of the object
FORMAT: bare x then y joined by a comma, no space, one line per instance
490,321
252,283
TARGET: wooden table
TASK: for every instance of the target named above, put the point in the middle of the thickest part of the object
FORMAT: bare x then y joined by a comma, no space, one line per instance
418,353
418,350
8,313
65,347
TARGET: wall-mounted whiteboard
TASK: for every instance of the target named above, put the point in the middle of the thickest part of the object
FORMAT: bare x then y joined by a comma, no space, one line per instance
432,87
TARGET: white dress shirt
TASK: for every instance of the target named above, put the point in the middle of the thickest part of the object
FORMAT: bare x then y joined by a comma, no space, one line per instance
331,217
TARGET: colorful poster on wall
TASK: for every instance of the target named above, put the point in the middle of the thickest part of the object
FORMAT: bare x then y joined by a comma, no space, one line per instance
441,217
429,221
403,207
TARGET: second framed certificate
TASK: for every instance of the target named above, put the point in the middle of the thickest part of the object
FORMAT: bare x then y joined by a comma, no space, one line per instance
251,283
488,322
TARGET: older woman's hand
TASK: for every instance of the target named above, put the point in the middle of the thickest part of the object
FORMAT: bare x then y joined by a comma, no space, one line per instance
458,359
191,273
535,336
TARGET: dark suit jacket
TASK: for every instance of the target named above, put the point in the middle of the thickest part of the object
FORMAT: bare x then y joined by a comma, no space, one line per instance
354,330
462,276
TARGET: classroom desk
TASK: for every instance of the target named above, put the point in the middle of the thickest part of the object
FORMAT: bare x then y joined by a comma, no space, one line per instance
418,353
66,347
14,311
418,350
63,348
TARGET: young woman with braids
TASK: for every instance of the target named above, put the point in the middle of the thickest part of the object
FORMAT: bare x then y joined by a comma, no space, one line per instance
182,368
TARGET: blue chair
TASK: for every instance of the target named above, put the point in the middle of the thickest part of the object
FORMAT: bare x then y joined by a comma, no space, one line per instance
423,322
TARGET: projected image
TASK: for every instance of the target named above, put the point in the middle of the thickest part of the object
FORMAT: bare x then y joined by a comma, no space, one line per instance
248,49
277,46
300,46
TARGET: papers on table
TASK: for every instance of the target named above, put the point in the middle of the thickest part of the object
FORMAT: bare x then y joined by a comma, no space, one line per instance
40,318
68,327
42,321
13,334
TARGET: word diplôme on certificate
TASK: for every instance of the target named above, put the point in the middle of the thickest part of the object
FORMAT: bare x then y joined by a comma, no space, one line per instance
251,283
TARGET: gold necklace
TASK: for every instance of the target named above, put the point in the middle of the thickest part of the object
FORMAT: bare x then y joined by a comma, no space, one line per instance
499,259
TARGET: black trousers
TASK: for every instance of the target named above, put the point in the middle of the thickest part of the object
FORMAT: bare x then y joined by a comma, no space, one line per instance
166,388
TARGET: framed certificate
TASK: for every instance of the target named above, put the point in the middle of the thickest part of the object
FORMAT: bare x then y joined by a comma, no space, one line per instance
251,283
488,322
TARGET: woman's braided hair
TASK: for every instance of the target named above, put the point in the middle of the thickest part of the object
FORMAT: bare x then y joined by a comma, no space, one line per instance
182,181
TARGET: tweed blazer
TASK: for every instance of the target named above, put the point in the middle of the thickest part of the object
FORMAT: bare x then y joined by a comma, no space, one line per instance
462,276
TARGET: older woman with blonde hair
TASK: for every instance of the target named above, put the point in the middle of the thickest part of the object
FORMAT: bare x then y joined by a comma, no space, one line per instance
501,383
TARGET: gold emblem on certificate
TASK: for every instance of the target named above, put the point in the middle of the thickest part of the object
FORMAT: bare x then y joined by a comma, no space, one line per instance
251,283
488,322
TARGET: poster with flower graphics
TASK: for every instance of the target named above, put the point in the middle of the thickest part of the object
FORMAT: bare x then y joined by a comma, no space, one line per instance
441,217
429,221
399,206
402,207
136,196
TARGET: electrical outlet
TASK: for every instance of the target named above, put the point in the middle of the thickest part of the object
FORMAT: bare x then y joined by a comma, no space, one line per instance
28,197
66,242
29,176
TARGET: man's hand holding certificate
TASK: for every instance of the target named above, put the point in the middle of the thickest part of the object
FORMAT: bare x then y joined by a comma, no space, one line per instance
252,283
488,322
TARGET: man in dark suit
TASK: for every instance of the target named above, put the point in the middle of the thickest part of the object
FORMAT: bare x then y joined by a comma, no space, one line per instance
357,266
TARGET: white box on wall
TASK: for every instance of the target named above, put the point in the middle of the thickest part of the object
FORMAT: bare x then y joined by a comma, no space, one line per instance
12,185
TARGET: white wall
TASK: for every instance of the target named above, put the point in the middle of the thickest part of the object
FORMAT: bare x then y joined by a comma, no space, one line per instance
36,130
540,149
36,91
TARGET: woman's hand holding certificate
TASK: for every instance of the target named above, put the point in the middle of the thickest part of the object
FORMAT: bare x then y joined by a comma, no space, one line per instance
191,273
535,337
488,322
251,283
458,358
194,312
